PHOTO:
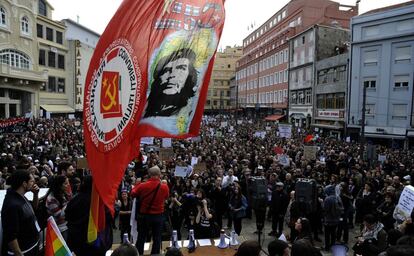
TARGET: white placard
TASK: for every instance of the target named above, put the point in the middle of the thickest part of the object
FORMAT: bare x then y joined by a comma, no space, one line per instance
71,116
144,159
181,171
47,115
147,140
268,128
382,158
194,160
348,139
405,204
284,160
285,131
223,124
204,242
166,142
239,122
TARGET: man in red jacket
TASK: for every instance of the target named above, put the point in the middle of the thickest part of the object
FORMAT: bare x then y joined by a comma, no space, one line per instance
151,195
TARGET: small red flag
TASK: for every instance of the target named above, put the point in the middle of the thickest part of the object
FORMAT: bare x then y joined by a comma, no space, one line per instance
309,138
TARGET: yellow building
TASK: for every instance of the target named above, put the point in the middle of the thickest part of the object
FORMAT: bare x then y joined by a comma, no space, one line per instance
33,61
20,75
219,88
56,96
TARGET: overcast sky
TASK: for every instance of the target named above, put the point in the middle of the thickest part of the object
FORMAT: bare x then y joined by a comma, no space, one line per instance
95,14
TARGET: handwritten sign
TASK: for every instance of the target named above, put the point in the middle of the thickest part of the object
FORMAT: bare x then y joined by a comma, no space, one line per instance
147,140
194,160
199,168
181,171
310,152
166,154
166,142
405,204
285,131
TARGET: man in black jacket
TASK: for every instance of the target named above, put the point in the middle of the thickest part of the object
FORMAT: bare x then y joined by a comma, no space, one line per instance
279,203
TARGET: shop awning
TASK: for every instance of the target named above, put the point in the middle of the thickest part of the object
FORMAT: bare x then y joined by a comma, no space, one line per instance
273,117
58,108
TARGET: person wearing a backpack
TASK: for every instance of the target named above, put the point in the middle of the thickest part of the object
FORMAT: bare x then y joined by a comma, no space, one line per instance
333,210
151,196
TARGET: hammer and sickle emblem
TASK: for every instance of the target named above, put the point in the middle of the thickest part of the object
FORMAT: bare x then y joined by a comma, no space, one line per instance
108,93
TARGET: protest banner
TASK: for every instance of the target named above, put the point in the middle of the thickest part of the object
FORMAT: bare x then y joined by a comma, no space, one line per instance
166,154
285,131
310,152
199,168
181,171
284,160
147,140
194,160
166,142
405,204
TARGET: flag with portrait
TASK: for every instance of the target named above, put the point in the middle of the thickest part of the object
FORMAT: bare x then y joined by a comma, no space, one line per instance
148,77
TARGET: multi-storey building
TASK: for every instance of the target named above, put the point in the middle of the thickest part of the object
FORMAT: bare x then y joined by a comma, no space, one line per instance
262,72
20,75
381,76
306,48
330,93
218,98
82,43
56,95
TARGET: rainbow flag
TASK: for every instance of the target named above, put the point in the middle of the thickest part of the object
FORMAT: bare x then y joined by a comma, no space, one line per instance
96,216
55,244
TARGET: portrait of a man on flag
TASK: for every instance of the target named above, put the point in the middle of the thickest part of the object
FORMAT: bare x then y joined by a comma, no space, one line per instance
177,70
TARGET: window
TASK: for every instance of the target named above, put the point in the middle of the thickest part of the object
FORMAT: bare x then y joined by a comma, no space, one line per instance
15,59
283,14
286,55
51,86
59,38
301,97
286,75
308,97
303,39
13,110
42,57
403,55
42,8
399,111
371,58
371,31
370,109
61,61
401,81
49,34
61,85
24,25
341,73
322,77
39,30
330,101
51,59
340,101
3,21
320,101
294,98
370,84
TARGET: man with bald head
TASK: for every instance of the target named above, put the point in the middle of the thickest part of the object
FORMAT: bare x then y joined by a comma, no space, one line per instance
151,195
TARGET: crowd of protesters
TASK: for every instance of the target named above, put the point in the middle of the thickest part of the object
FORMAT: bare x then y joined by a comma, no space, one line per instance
353,192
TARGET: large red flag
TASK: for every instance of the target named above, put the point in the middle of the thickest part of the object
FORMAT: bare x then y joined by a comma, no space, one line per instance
148,77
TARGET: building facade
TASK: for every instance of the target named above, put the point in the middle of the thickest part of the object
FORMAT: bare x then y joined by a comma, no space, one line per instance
381,78
330,94
21,77
56,96
262,72
306,49
218,98
82,43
